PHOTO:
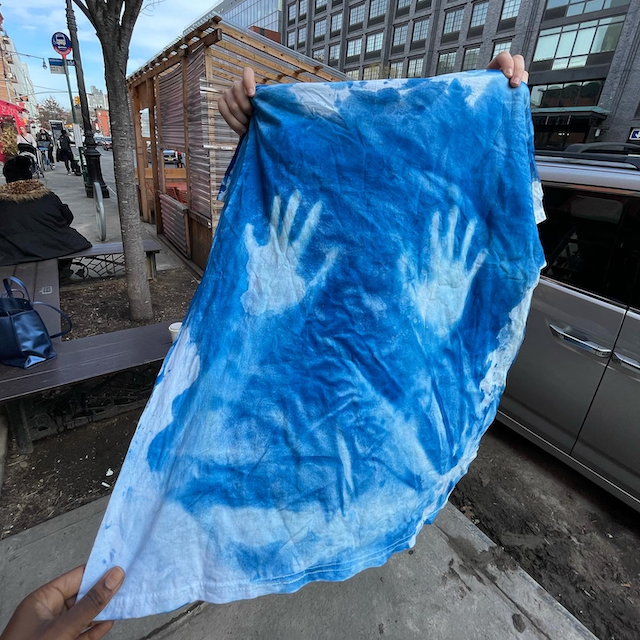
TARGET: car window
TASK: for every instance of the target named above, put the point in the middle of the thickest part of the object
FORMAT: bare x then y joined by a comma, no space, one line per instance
590,241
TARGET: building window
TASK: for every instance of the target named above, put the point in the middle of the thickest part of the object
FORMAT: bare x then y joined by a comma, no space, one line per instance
415,67
567,94
318,54
400,35
291,39
374,42
319,28
336,22
334,52
395,70
302,35
453,21
420,30
499,47
353,74
377,8
510,9
569,47
562,8
303,8
372,72
446,63
470,60
322,4
356,15
479,15
403,4
354,47
293,10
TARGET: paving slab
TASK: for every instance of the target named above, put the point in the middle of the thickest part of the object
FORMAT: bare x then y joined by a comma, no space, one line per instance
454,585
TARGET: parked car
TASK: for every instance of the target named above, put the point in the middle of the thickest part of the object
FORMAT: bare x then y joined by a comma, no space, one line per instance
574,388
107,145
170,157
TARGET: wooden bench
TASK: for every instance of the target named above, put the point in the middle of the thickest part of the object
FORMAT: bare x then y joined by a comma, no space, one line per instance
42,282
150,247
77,361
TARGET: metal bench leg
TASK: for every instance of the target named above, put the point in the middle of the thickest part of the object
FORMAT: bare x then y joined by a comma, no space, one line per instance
152,270
18,424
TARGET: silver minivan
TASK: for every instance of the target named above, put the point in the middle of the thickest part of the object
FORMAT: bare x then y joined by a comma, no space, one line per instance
575,386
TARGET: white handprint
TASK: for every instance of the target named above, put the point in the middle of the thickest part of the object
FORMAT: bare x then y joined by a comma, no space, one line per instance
274,283
440,289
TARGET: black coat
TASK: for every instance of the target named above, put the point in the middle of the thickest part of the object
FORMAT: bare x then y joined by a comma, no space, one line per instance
34,224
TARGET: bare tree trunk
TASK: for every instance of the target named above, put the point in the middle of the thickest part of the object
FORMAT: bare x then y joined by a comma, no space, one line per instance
122,138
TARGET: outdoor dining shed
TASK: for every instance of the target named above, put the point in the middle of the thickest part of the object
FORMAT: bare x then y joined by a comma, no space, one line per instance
181,140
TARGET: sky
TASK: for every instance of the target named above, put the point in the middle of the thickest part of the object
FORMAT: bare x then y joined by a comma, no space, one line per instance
31,23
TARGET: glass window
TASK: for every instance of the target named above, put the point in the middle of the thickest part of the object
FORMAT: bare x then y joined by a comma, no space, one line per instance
562,8
395,70
403,3
415,68
336,22
453,21
303,8
420,30
582,240
291,39
356,15
319,28
318,54
479,15
510,9
470,60
302,35
400,35
446,63
321,4
353,74
567,94
354,47
374,42
372,72
377,8
499,47
569,46
334,52
293,9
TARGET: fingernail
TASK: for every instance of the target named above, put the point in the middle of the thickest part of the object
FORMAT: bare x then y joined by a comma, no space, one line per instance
114,578
509,72
515,82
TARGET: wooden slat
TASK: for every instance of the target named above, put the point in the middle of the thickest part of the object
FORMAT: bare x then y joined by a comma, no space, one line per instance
47,289
26,272
149,245
88,358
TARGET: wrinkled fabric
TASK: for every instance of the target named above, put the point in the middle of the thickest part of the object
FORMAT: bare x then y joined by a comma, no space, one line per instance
366,292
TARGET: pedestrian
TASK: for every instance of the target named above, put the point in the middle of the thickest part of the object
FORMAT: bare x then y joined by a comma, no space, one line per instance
24,137
66,154
34,223
45,142
52,612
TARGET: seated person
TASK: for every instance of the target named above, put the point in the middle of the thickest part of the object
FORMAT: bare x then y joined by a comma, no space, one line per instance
34,223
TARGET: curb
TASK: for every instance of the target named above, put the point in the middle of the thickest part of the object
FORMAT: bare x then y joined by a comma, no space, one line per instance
4,433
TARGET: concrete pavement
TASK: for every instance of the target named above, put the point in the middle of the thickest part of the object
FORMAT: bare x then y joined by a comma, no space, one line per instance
455,585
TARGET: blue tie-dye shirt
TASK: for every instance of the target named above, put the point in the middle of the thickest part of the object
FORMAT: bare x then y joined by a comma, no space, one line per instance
366,293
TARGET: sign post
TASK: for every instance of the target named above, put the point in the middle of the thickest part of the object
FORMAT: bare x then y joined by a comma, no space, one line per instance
62,45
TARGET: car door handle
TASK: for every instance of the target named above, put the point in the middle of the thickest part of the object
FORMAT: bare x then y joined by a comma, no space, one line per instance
627,363
587,345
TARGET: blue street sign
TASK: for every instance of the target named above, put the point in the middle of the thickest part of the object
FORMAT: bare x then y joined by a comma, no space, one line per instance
635,134
61,43
56,65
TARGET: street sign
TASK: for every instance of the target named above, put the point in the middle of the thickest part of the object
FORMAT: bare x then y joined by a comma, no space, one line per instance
61,43
635,134
56,65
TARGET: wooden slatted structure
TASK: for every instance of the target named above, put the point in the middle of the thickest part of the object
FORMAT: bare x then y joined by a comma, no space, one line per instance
174,100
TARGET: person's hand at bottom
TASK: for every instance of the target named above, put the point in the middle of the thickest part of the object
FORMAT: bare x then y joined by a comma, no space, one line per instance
52,613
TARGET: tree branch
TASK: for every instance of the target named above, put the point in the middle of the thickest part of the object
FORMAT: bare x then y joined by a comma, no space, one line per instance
85,10
132,10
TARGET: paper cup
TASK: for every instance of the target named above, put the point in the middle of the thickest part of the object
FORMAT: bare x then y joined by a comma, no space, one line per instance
174,330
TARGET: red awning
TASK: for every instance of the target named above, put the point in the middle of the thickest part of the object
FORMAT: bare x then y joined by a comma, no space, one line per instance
8,109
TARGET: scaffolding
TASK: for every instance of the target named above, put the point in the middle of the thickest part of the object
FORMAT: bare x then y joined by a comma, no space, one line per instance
183,145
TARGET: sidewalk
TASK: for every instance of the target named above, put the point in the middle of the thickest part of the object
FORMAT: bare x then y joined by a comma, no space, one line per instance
70,189
455,585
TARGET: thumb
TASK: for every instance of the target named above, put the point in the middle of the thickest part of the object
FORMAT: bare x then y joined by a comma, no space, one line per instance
81,615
